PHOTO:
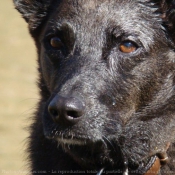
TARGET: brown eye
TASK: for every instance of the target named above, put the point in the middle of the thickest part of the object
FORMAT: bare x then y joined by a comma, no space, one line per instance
56,43
128,47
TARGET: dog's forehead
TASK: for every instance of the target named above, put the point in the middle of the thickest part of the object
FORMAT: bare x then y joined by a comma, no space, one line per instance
119,12
83,4
95,6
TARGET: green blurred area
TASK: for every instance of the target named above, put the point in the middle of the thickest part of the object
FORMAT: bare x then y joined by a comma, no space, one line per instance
18,92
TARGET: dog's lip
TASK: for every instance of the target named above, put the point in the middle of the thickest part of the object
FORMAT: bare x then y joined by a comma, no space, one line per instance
74,141
69,138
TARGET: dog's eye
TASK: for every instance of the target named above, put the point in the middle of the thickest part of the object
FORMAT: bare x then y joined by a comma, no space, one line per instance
128,47
56,43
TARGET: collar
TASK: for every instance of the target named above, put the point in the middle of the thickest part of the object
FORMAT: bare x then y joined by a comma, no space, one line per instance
152,168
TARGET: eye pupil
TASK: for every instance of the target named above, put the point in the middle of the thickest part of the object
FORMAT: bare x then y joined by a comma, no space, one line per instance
56,42
128,47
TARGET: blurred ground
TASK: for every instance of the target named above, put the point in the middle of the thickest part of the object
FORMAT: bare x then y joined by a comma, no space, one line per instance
18,94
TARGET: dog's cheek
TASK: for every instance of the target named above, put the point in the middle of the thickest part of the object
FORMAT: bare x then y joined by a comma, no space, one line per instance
47,70
146,138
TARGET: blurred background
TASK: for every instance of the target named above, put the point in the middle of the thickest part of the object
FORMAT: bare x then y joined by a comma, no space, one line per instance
18,92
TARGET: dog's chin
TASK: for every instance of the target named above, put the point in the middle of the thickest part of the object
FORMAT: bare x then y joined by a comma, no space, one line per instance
91,155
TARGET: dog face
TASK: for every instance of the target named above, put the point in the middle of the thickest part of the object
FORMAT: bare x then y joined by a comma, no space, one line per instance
107,77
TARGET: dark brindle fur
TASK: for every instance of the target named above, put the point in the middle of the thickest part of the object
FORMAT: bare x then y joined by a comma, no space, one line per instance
101,107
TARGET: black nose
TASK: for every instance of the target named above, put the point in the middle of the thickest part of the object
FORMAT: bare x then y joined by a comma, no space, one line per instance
66,110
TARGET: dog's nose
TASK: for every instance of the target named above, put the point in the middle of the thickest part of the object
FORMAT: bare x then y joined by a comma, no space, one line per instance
66,110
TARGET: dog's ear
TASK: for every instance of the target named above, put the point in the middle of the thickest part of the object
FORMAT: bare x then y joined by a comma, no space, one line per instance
168,16
33,11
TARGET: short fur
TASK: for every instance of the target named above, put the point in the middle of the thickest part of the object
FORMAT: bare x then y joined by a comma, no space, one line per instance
130,98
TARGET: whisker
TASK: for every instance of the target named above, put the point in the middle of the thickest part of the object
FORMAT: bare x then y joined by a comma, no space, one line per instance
108,141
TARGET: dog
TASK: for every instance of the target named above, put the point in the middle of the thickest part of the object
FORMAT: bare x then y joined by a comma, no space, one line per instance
107,86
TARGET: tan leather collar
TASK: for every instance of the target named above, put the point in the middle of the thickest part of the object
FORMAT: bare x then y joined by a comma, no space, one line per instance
155,168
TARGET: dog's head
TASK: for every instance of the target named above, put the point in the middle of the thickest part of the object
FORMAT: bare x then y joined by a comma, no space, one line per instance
106,76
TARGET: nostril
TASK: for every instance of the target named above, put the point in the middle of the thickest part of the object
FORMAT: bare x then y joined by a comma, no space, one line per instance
73,114
74,107
53,111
